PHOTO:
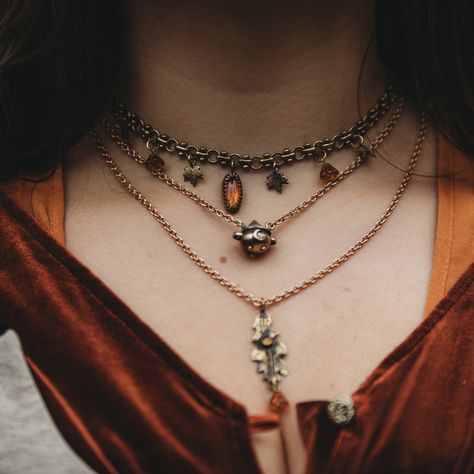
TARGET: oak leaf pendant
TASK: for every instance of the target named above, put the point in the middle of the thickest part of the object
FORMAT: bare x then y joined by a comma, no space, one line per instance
269,351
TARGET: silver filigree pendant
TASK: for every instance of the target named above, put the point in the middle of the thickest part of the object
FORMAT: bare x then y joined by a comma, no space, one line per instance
269,351
255,238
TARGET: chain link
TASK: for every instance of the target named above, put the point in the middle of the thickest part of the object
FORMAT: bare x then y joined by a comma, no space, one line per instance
318,150
234,287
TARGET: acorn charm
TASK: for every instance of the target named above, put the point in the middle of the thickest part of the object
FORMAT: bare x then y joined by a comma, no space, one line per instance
255,238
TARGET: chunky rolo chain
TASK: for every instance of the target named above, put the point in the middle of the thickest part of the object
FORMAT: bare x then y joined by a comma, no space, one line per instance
319,149
162,176
263,302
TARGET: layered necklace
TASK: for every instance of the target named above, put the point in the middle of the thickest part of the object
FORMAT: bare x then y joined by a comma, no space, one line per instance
128,124
254,237
268,352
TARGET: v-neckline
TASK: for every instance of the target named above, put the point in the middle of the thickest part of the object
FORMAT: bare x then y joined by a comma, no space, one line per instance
215,398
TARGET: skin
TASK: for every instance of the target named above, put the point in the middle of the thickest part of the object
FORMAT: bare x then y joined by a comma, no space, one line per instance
253,78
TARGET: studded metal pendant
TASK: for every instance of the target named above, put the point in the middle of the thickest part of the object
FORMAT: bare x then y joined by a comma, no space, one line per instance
255,238
268,355
232,192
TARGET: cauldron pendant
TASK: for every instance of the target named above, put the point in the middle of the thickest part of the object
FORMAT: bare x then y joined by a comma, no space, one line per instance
255,238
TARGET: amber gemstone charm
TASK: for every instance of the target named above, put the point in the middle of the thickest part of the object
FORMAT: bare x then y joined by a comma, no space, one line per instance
278,403
328,172
232,192
154,163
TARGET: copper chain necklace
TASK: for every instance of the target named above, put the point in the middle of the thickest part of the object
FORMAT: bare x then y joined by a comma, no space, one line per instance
269,351
255,238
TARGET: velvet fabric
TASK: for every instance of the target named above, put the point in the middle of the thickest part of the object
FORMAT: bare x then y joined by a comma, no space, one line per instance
127,403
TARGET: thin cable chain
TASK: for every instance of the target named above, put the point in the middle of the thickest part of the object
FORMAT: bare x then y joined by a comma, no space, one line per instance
318,149
133,153
352,167
234,287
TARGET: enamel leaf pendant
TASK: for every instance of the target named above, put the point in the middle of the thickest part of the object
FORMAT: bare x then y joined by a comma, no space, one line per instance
232,192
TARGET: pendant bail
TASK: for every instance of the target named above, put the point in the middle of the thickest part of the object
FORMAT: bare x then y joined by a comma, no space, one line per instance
232,159
152,145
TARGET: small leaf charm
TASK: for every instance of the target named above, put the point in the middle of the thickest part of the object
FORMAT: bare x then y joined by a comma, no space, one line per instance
328,172
275,180
193,174
232,192
269,351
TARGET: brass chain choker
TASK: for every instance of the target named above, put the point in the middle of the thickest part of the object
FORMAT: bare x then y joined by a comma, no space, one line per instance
128,124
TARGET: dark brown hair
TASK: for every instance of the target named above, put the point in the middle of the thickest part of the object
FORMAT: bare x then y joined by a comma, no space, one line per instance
59,60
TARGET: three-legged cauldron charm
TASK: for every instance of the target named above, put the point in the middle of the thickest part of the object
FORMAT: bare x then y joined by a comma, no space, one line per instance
255,238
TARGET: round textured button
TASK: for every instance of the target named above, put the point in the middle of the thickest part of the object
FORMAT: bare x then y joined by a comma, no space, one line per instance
341,410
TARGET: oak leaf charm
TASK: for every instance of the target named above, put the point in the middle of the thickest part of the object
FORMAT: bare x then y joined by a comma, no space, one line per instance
193,174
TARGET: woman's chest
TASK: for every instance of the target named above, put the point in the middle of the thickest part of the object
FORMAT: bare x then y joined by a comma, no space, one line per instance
336,331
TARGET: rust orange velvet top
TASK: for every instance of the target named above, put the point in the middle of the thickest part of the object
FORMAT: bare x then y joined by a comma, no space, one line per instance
127,403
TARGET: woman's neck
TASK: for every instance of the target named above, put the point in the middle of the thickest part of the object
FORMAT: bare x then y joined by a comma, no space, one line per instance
251,77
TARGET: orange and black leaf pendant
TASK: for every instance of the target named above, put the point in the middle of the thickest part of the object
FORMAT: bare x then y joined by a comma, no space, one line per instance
232,192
